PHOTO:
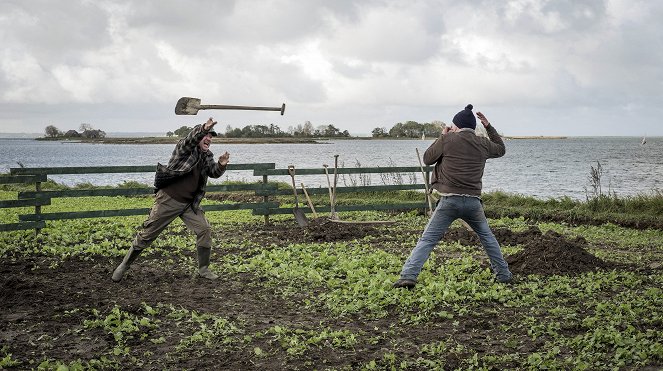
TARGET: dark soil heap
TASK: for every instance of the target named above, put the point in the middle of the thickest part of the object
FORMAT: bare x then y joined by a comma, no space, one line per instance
552,253
324,230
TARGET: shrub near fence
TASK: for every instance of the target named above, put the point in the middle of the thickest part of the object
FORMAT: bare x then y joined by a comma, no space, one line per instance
261,187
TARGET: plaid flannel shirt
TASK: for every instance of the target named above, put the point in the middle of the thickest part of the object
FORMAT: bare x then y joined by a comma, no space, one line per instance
185,156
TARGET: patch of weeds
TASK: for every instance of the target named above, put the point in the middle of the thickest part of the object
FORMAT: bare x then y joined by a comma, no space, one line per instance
6,361
123,326
298,341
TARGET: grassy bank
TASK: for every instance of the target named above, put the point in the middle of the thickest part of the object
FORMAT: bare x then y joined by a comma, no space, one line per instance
641,211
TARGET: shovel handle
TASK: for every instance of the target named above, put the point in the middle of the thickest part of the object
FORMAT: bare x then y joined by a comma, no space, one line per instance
328,184
423,173
249,108
335,176
308,199
291,171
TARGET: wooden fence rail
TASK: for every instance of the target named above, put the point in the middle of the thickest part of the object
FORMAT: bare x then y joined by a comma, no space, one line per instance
4,204
261,187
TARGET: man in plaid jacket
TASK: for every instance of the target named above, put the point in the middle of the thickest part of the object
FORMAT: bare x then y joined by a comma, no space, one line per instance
180,186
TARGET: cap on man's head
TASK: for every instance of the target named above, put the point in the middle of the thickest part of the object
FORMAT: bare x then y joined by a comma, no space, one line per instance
213,133
465,118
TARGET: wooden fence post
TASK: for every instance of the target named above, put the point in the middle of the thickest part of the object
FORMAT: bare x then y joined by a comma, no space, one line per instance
265,198
37,206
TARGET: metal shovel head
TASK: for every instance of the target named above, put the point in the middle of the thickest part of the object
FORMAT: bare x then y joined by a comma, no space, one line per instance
187,106
300,217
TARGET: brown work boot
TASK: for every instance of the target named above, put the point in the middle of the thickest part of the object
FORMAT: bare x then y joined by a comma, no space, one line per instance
405,284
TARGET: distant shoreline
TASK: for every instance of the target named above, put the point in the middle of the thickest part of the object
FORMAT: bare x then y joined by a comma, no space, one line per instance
287,140
534,137
173,140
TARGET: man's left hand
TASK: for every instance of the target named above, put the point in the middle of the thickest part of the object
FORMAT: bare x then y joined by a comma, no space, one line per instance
483,119
224,159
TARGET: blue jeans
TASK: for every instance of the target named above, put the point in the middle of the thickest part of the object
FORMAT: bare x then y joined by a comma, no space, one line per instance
449,209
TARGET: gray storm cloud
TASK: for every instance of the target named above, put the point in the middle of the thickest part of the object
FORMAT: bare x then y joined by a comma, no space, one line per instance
356,64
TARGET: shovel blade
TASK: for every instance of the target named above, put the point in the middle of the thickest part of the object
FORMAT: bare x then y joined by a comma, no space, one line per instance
300,217
187,106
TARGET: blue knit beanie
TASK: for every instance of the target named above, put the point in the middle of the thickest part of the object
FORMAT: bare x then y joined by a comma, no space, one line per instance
465,118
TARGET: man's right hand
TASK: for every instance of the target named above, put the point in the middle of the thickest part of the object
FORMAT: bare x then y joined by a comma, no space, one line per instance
449,128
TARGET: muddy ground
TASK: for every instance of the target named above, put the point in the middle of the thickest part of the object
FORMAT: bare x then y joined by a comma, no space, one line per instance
43,305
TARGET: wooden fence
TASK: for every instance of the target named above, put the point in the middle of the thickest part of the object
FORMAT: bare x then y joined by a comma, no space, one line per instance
261,187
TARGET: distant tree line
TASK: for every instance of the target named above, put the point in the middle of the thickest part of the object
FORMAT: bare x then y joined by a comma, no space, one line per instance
407,129
85,131
273,131
410,129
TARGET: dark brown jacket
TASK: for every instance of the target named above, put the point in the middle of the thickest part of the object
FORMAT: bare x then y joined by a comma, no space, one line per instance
185,156
460,159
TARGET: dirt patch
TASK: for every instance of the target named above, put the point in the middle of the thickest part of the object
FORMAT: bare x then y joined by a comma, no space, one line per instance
324,230
45,301
287,232
545,254
43,309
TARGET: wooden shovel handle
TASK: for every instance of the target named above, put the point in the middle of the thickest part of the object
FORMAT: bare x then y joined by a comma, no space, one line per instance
249,108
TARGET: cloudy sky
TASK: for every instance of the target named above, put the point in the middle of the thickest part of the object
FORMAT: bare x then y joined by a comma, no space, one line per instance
533,67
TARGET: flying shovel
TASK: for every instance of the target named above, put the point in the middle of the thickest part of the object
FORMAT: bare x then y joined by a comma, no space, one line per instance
191,106
299,214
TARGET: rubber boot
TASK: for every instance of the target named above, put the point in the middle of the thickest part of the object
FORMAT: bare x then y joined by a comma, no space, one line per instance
203,263
132,254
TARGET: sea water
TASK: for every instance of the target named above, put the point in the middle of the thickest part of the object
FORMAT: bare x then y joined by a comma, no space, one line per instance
544,168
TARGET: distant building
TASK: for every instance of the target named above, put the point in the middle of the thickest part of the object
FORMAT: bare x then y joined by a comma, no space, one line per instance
94,134
72,134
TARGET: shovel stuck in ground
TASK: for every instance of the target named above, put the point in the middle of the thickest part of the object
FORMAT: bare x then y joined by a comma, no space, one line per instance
300,217
332,211
333,216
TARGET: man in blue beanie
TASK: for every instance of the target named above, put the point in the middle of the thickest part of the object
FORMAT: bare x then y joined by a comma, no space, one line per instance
459,156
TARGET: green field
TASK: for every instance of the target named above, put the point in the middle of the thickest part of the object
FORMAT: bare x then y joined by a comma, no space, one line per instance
320,297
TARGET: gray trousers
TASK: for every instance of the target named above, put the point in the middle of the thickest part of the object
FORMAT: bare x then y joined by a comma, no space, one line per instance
164,211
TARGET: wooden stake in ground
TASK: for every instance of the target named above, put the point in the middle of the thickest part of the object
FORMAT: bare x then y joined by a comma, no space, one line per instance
428,195
308,199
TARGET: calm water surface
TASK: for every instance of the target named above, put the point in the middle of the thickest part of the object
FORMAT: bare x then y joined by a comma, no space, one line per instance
537,167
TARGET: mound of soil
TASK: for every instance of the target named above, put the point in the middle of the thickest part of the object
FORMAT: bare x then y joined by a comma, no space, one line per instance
552,253
545,254
324,230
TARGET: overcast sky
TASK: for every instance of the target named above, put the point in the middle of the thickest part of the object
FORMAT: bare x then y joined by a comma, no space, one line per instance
533,67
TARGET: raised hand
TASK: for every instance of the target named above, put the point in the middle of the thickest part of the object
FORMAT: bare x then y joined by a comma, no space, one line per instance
209,124
224,159
483,119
